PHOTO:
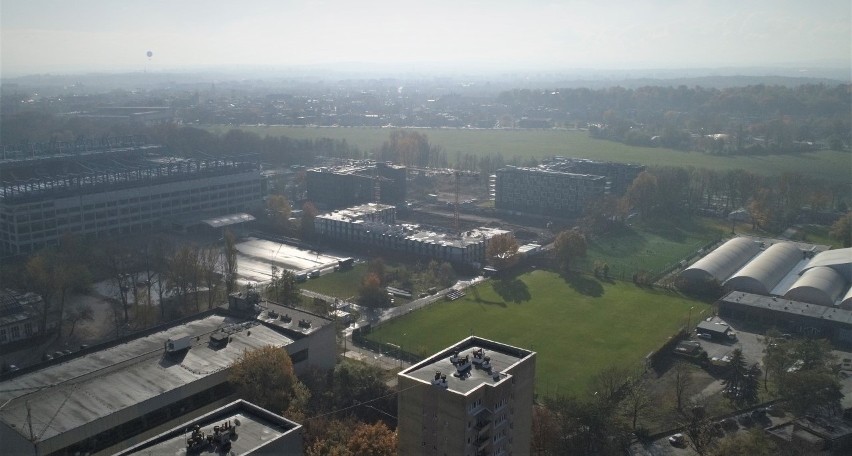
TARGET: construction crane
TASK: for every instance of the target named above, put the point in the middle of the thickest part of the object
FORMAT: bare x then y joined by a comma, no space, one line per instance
377,184
458,175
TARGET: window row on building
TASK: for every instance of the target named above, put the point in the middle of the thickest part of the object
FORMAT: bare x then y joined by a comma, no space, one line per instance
26,227
546,192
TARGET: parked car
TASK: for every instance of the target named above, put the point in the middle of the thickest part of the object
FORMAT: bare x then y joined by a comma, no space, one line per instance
705,336
677,440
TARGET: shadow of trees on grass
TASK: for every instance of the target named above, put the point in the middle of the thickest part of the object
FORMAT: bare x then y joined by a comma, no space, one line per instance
512,290
584,285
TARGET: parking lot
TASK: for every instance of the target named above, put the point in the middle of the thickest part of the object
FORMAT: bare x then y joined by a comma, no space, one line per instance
718,349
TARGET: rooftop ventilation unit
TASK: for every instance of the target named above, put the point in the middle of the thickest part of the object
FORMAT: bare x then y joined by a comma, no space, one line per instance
463,366
178,345
219,339
455,358
440,380
286,318
303,323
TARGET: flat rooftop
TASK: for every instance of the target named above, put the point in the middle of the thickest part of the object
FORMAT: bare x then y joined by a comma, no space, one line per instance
257,428
66,395
503,357
356,213
787,306
554,172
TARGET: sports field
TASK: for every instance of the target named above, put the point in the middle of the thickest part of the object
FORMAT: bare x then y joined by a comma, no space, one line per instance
650,247
828,165
576,328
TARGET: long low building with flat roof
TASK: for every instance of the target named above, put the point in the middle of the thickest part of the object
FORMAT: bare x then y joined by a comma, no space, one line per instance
374,225
108,395
787,315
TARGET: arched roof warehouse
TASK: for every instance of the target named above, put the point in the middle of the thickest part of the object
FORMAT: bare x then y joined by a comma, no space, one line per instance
724,261
847,300
766,270
820,285
839,259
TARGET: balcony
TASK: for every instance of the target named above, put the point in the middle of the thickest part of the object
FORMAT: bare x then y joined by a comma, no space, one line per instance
482,425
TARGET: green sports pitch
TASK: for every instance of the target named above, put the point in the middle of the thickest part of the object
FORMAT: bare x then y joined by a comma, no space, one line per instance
577,327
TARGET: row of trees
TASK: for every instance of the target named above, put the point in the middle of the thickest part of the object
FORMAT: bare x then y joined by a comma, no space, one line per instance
27,127
150,274
342,410
804,372
771,201
421,276
783,117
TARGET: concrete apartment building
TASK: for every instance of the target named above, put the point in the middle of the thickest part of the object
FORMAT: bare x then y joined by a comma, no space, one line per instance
473,398
356,183
375,225
545,191
619,176
106,398
115,188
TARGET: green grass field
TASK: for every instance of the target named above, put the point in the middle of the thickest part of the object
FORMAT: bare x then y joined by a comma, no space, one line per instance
340,284
828,165
576,328
649,247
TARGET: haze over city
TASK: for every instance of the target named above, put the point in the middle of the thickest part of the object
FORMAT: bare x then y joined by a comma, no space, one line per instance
98,35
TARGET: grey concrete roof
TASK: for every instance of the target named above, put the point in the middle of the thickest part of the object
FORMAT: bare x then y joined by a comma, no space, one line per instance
788,306
228,220
502,358
65,396
257,428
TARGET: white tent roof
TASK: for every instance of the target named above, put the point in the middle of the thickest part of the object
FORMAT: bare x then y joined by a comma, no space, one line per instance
820,285
767,269
724,261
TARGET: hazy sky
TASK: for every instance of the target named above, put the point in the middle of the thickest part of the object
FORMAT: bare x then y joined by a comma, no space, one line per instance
95,35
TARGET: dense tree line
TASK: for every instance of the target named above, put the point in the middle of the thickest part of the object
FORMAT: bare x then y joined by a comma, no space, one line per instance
783,118
23,129
770,201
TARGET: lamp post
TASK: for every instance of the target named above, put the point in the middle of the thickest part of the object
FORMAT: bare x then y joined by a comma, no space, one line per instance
689,318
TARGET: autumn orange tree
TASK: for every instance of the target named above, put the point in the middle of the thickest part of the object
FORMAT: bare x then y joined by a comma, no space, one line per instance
373,440
568,245
371,293
502,251
265,377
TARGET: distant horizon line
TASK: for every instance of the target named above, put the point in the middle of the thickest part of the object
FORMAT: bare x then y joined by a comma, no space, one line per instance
439,69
